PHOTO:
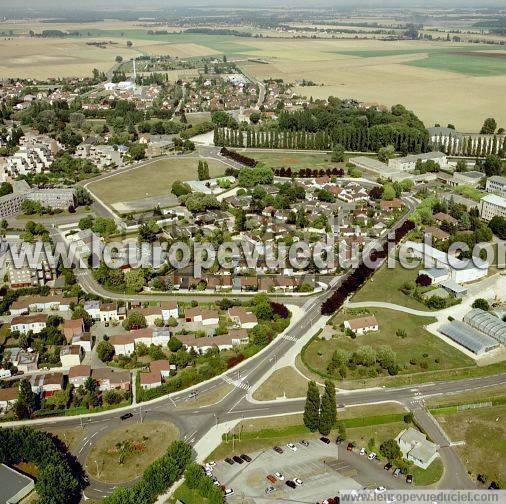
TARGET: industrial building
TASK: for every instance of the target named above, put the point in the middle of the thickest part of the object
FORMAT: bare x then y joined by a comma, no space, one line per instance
487,323
471,339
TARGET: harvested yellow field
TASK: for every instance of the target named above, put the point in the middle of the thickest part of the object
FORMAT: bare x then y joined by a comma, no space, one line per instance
42,58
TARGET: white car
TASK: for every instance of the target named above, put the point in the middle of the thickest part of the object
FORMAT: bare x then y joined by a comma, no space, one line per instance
229,491
371,456
209,468
211,463
380,490
279,476
362,451
292,447
298,481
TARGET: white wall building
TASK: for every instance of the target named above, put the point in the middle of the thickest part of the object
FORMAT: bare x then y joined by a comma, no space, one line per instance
492,206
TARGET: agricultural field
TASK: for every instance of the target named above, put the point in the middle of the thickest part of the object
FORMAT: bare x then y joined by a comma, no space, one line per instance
124,453
417,351
423,71
152,179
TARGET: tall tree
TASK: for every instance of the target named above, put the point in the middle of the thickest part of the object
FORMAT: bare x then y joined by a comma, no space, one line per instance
312,407
328,409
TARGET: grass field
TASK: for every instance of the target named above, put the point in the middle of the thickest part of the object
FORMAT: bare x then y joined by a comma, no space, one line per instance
385,285
484,432
294,160
153,179
283,382
420,351
125,452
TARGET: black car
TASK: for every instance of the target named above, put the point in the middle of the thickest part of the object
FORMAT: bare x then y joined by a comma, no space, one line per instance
409,478
388,466
325,440
126,416
228,460
238,459
277,449
246,458
291,484
303,442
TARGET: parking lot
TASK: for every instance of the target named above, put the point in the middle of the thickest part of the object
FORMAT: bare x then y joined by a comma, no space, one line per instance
317,465
324,469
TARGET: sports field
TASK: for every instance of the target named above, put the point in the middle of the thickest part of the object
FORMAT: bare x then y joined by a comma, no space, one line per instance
153,179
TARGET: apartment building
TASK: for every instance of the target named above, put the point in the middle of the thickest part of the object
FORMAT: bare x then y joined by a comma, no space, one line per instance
492,206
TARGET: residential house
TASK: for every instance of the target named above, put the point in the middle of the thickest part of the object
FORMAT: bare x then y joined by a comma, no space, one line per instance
8,397
201,319
26,362
108,379
389,206
441,217
169,309
47,384
79,374
437,233
123,344
362,325
84,340
158,371
242,318
110,312
93,309
26,323
416,448
71,355
73,328
227,341
27,304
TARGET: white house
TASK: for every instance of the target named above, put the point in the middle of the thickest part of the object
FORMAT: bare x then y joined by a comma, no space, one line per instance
123,344
79,374
362,325
71,355
169,309
93,309
47,384
26,323
110,312
8,396
416,447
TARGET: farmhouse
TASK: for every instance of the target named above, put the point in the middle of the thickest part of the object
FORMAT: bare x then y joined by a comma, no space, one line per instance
362,325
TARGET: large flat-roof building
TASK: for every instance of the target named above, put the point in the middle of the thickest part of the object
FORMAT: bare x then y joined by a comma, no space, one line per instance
496,184
492,206
14,486
408,163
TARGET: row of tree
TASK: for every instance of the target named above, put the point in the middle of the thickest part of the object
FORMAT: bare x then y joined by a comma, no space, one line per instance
357,278
157,477
471,147
320,414
405,139
239,158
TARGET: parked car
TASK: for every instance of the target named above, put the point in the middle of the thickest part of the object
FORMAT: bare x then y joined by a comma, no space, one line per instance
292,447
246,458
211,463
349,447
291,484
325,440
362,451
277,449
237,459
372,456
126,416
397,472
303,442
380,490
387,466
409,478
270,489
279,476
229,491
228,460
191,395
298,481
272,478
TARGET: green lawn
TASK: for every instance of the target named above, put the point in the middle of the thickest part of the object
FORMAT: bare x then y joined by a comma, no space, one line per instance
484,433
428,351
154,179
425,477
294,160
188,496
385,285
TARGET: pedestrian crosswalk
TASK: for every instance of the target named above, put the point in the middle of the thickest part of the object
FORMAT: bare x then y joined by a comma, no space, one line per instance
290,338
236,383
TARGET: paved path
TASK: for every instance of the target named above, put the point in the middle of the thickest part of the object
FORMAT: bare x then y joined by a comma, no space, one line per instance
391,306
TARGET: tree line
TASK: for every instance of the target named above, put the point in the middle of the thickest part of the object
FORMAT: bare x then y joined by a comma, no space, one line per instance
235,156
358,277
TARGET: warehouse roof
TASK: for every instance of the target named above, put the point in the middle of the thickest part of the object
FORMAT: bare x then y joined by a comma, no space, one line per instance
468,337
